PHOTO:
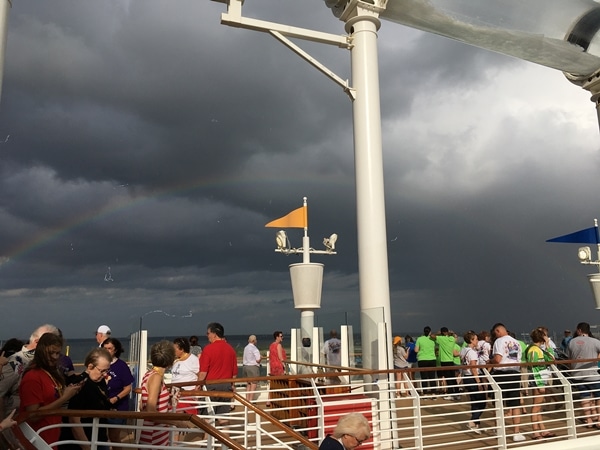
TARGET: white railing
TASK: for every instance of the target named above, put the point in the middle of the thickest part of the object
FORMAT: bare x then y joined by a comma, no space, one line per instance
401,414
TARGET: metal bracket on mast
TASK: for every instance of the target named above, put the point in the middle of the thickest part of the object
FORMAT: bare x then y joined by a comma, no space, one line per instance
293,47
590,83
233,17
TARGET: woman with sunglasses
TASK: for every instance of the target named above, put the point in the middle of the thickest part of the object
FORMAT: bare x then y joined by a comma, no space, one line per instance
277,355
94,396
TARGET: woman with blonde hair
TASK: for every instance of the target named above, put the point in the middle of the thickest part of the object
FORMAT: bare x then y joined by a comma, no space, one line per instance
350,432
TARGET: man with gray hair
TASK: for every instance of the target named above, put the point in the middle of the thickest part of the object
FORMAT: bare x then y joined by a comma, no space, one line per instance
251,366
13,371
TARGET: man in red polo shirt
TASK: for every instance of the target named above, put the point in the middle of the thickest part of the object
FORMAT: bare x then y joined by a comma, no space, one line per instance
218,361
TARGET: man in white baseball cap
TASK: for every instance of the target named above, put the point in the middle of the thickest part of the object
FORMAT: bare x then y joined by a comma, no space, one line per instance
102,334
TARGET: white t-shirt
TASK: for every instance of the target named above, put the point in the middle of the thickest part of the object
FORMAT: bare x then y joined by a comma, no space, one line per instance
483,349
467,356
186,371
332,351
510,351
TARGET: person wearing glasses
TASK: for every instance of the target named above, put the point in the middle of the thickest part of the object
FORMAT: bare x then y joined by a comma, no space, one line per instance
43,386
93,396
350,432
277,355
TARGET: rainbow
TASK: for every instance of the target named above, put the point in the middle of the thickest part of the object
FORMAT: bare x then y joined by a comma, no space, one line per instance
119,203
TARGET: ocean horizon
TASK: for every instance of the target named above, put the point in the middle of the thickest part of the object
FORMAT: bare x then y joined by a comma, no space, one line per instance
77,349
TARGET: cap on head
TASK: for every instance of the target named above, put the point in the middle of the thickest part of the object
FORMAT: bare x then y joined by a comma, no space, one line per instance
103,329
397,340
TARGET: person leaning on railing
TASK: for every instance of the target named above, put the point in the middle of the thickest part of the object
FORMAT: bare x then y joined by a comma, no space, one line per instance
539,379
156,397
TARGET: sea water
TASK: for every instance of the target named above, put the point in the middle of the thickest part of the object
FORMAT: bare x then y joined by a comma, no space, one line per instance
77,349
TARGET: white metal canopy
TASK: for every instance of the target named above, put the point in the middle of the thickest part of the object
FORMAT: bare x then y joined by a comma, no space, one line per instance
562,34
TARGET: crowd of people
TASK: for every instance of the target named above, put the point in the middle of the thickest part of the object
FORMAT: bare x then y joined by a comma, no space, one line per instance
504,352
37,376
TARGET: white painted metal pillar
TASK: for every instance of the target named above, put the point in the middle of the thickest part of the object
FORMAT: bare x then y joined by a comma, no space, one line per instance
370,199
5,6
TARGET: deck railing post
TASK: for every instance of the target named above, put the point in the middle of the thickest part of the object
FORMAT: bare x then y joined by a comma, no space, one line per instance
569,404
499,406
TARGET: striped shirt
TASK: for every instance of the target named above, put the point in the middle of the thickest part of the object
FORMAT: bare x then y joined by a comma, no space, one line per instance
154,437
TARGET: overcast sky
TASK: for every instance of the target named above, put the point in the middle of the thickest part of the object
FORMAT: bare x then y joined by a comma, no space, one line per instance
143,146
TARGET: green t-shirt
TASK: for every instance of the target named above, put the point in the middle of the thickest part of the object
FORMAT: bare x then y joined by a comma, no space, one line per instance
457,357
426,348
540,374
446,346
523,348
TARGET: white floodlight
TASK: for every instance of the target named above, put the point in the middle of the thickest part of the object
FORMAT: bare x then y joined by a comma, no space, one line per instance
330,241
584,254
282,240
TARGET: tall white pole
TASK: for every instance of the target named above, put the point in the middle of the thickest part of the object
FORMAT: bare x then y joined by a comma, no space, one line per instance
372,241
305,241
5,6
307,323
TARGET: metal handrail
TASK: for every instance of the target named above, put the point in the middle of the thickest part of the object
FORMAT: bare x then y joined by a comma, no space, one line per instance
302,411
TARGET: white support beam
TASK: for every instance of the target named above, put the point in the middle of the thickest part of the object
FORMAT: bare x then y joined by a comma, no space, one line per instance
345,84
238,21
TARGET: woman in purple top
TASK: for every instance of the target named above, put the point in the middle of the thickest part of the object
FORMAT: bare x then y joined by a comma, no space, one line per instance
119,381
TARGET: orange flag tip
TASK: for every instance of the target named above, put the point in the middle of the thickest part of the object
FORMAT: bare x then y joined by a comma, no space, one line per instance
298,218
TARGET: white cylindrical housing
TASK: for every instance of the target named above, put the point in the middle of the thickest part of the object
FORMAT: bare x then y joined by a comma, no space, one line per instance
307,283
595,285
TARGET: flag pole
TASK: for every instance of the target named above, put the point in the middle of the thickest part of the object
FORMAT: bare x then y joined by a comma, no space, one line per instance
305,238
598,244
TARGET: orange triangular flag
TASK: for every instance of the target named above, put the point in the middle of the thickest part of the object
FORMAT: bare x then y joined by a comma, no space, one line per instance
298,218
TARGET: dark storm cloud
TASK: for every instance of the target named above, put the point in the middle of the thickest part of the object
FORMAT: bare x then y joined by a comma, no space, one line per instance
145,141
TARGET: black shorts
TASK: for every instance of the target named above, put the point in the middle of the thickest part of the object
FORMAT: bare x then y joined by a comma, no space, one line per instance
510,384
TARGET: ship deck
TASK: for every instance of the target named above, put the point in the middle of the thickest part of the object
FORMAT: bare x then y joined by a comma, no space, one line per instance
297,411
